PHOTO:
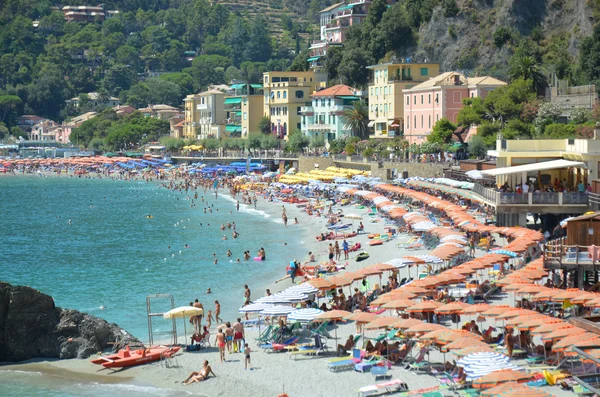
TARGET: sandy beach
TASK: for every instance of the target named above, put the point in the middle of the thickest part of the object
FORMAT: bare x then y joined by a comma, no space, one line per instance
272,373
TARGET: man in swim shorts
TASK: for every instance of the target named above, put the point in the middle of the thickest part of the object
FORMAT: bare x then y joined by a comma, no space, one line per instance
200,375
238,335
220,342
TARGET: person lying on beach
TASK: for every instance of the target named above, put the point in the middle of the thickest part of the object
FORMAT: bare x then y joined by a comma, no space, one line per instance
201,375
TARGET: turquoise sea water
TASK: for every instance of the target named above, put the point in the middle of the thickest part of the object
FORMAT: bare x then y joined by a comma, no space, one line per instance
112,256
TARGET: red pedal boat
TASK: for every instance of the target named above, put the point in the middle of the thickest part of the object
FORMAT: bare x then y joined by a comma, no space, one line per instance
129,358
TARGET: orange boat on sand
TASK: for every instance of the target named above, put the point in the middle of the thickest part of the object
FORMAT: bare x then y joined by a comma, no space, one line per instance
130,358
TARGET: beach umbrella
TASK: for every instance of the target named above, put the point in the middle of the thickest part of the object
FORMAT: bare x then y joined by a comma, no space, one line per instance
516,321
304,288
304,315
548,328
277,310
497,310
476,309
370,271
383,267
425,307
353,217
340,280
400,304
424,328
482,357
472,349
461,344
273,299
497,377
585,339
537,322
184,312
563,333
321,284
457,334
406,323
361,317
584,297
516,313
434,335
381,322
560,296
293,296
333,315
452,308
400,294
255,307
398,262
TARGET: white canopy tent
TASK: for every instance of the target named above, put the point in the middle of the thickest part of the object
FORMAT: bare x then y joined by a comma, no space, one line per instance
534,167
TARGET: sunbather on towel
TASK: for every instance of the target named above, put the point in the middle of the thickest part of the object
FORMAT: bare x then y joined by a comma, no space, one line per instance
379,350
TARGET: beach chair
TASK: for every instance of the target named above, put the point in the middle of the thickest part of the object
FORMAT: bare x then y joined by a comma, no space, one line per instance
311,350
392,386
380,371
416,246
322,331
420,364
265,335
366,365
273,347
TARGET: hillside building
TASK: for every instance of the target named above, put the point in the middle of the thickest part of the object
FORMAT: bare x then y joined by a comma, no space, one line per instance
285,93
87,13
96,101
324,117
162,112
386,101
441,97
571,98
204,115
243,109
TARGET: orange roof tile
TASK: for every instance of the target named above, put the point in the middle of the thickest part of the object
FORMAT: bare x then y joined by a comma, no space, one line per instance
336,90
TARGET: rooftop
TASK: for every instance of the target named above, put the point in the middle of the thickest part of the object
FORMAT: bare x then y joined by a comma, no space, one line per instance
332,7
336,90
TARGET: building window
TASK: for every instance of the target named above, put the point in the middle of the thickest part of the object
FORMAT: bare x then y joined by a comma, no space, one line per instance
429,121
408,100
415,99
333,118
322,102
299,94
437,98
298,126
372,91
422,121
437,118
429,98
299,110
424,71
376,91
385,108
245,116
421,99
284,94
408,122
278,95
266,79
415,121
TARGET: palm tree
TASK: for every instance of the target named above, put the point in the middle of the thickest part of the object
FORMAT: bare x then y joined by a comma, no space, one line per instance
356,117
527,68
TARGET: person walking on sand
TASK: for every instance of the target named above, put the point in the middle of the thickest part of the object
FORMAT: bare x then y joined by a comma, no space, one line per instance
229,336
209,318
218,312
331,252
338,253
220,342
346,248
198,319
201,375
247,352
238,335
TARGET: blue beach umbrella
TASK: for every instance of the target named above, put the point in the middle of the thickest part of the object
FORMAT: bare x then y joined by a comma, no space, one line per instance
505,252
479,357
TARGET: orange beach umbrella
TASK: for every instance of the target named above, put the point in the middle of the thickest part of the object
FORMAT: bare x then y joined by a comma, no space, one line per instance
497,377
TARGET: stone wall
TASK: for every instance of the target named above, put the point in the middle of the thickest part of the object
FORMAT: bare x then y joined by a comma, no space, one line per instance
305,164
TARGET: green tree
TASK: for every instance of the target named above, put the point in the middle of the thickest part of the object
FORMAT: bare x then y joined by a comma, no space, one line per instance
118,78
183,80
264,125
8,107
527,68
259,48
297,142
356,117
253,142
477,147
442,132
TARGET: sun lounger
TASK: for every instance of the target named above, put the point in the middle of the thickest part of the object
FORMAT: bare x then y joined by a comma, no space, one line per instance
279,346
366,365
345,365
380,371
393,386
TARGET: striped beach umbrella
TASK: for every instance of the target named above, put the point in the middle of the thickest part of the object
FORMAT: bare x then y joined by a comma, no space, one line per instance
292,296
482,357
255,307
277,310
304,288
304,315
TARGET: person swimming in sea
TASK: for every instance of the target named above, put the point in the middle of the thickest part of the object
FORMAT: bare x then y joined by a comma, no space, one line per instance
229,253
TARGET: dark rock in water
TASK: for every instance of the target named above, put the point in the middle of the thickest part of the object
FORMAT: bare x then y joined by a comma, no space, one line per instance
31,326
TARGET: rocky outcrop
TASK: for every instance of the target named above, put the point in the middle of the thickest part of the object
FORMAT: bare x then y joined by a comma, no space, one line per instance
31,326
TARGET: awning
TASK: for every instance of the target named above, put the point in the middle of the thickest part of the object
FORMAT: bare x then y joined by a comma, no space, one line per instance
543,166
256,85
371,123
312,59
233,128
229,101
238,113
237,86
390,122
349,97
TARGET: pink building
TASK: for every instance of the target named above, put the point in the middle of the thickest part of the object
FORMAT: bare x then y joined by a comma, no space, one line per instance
440,97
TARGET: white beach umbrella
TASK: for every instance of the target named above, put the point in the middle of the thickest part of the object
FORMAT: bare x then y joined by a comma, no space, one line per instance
255,307
292,296
380,199
304,315
399,262
353,216
475,174
272,299
423,226
277,310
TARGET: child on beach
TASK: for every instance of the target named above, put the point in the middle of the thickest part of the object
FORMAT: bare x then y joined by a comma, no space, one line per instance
217,311
247,352
209,318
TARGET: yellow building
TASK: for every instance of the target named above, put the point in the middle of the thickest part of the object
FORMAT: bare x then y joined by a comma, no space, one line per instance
244,109
285,93
204,115
386,100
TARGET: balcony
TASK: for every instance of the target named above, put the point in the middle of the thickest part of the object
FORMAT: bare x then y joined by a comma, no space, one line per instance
336,24
319,127
550,200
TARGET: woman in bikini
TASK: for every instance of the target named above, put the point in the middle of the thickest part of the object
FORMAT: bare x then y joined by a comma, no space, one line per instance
220,342
201,375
